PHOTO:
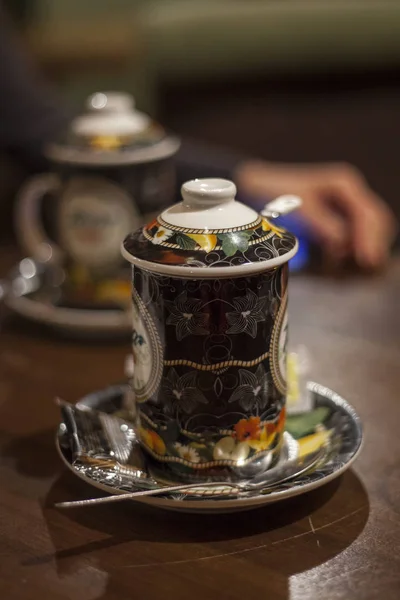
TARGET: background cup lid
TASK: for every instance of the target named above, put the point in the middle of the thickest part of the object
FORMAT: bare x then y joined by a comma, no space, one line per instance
113,132
110,114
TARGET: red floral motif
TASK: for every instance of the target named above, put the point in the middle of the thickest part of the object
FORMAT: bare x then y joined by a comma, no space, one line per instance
248,429
150,226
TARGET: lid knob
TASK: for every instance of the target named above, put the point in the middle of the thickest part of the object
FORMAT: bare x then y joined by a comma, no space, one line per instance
111,101
111,114
208,192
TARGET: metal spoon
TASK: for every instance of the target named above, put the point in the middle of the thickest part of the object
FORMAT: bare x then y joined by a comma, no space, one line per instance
281,206
276,475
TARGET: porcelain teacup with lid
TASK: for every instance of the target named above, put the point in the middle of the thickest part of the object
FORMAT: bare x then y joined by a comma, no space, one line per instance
209,283
112,165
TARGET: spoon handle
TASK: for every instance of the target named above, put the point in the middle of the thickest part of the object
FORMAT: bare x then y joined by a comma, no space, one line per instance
140,494
281,206
273,477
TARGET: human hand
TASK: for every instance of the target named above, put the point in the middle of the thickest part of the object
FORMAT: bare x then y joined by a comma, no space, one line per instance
339,208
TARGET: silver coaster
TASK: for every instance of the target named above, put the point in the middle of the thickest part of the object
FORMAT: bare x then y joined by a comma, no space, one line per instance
331,416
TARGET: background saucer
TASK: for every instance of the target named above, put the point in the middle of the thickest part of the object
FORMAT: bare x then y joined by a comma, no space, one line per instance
32,295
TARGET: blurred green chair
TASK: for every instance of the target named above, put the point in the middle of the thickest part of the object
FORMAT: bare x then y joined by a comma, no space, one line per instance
137,44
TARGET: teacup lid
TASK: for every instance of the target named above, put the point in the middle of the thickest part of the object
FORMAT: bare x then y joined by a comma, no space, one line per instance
112,132
111,114
209,234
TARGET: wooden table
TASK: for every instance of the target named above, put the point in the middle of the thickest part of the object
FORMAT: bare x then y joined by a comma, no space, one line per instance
341,542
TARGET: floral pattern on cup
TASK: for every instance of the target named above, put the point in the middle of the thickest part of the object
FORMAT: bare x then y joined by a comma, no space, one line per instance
217,403
161,242
181,393
187,453
188,316
252,391
229,242
249,311
242,444
161,235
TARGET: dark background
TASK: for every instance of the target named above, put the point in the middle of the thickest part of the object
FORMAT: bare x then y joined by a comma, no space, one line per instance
284,81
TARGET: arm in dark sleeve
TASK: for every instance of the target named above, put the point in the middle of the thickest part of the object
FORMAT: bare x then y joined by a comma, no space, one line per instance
30,114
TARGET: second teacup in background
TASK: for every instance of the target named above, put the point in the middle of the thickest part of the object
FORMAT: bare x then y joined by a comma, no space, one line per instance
113,165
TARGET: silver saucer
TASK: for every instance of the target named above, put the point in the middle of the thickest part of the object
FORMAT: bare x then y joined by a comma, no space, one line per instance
33,292
330,413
